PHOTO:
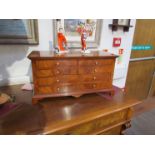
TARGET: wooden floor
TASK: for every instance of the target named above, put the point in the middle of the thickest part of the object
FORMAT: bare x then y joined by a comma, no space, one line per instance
143,122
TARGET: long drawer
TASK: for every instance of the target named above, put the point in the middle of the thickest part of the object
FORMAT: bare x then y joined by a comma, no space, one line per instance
96,77
57,89
95,69
95,62
95,86
49,64
97,125
72,79
56,72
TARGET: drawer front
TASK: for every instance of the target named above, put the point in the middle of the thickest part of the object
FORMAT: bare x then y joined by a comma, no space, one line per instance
48,64
65,88
96,77
95,70
97,125
96,86
114,131
44,73
45,81
63,63
44,64
96,62
72,79
64,79
44,90
66,70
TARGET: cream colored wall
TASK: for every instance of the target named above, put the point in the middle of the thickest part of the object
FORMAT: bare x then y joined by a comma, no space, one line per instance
15,68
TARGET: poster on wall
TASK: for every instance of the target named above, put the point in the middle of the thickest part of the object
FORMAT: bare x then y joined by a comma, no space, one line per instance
71,28
18,31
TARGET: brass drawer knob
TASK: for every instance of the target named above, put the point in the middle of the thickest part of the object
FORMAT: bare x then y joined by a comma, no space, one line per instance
57,71
96,63
94,78
57,63
94,85
58,80
58,89
95,70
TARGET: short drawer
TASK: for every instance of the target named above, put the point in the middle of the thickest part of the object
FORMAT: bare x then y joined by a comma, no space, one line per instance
95,70
72,79
44,64
45,81
44,90
64,79
65,89
63,63
44,73
95,77
66,70
98,125
96,85
96,62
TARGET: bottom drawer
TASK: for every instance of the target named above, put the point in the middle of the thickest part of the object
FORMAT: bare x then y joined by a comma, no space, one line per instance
114,131
44,90
96,86
65,88
58,89
97,125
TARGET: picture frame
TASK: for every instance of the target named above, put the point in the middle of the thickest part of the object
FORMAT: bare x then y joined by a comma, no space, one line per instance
124,22
19,31
74,42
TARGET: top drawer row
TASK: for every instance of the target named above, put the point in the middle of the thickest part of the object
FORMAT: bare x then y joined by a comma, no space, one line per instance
47,64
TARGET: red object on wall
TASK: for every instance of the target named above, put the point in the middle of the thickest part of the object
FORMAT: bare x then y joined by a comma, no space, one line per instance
116,42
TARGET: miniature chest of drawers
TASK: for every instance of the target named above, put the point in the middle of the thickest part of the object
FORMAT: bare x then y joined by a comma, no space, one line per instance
71,74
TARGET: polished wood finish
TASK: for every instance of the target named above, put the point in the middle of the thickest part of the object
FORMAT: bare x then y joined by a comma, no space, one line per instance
140,73
139,78
88,114
72,74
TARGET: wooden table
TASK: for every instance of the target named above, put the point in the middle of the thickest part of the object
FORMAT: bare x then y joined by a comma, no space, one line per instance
88,114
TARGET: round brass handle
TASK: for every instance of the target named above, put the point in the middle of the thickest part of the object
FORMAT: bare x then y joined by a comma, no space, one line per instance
95,70
94,78
96,63
58,80
94,85
58,63
58,71
58,89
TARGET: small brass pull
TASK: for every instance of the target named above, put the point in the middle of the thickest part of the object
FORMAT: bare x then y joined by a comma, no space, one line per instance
58,80
94,78
58,71
94,85
96,63
95,70
58,89
58,63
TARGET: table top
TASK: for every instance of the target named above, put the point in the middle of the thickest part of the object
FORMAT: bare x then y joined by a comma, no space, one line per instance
56,113
70,54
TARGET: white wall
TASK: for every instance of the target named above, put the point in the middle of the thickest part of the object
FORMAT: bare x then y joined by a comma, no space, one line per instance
126,44
15,68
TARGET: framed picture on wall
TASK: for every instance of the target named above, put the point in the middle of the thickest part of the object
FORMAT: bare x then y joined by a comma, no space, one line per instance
19,31
124,22
70,26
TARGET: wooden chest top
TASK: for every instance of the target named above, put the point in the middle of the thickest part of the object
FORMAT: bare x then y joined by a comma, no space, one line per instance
71,54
